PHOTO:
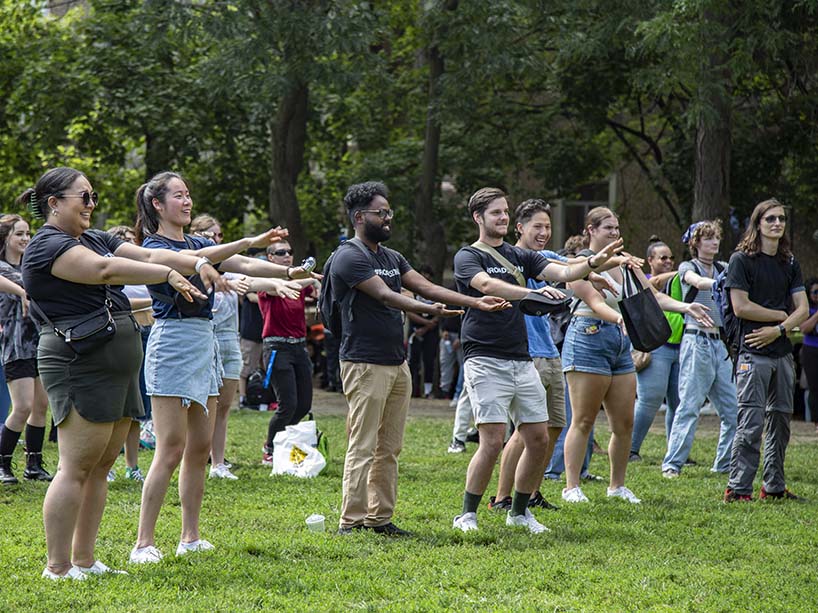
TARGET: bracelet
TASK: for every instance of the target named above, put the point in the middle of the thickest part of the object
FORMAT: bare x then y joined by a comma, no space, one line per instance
289,268
201,262
167,277
591,266
782,329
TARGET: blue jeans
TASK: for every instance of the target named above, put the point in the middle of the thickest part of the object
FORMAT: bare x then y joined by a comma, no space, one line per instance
705,372
658,381
557,464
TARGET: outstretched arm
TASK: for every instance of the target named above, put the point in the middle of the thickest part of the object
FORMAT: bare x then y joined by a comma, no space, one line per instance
380,291
419,284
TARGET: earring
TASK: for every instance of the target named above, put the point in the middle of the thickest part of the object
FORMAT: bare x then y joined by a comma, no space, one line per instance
54,212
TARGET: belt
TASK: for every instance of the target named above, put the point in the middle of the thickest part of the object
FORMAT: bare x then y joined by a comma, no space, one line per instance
711,335
288,340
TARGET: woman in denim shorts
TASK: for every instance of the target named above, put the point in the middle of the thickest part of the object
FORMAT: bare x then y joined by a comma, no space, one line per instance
183,370
596,357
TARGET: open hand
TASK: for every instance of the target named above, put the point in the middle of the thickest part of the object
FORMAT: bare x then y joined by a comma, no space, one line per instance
492,303
212,279
551,292
700,313
269,237
240,285
601,284
184,287
440,310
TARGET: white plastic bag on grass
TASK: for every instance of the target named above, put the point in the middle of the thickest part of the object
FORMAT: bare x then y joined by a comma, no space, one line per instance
295,453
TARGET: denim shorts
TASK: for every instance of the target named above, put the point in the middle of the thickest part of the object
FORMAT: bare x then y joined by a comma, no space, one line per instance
597,347
182,360
230,354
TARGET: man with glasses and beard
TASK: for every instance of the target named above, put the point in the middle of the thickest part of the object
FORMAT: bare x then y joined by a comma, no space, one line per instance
366,280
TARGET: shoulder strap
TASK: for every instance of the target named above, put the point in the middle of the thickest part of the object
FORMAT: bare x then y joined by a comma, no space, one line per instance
691,294
42,316
511,268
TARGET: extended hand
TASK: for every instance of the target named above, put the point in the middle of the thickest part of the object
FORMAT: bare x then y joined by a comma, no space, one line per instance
761,337
439,310
551,292
212,279
492,303
269,237
184,287
607,253
700,313
288,289
240,285
601,284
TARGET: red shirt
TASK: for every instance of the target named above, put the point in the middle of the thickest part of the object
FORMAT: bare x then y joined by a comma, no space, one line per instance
283,316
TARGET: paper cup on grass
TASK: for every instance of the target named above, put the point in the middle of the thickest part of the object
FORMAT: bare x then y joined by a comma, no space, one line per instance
315,523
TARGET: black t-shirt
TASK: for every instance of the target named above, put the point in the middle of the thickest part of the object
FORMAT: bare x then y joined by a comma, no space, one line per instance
769,283
499,334
251,321
375,333
162,310
58,297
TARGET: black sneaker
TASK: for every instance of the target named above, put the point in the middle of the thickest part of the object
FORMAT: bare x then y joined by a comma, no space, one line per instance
504,504
634,457
389,529
586,476
689,462
473,435
785,495
351,529
537,500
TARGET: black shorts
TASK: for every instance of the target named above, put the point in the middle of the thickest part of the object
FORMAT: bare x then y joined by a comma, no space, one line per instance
21,369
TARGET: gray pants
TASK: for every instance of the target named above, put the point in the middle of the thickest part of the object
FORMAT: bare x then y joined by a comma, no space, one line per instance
765,388
449,359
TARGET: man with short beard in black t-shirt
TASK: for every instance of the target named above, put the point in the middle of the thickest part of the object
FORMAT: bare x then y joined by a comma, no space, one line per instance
375,377
767,295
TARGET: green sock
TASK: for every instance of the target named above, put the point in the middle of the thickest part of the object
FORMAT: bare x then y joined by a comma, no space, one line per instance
471,502
519,502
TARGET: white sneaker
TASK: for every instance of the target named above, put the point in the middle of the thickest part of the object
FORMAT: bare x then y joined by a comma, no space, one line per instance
220,471
527,520
624,493
574,495
466,522
111,475
197,545
100,569
73,573
145,555
670,473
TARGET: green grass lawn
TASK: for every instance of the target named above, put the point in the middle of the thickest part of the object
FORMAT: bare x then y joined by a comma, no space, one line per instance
682,549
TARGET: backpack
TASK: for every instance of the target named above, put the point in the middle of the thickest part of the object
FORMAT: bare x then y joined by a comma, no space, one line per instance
256,393
730,324
328,307
673,288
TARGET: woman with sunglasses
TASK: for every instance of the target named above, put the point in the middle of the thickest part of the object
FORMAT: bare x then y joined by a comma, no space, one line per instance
705,370
596,357
71,272
659,379
809,350
285,345
18,349
184,384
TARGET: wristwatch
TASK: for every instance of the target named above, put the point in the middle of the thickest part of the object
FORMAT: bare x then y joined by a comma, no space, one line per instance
201,262
782,329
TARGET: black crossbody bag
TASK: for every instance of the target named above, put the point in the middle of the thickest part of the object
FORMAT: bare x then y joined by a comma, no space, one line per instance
83,333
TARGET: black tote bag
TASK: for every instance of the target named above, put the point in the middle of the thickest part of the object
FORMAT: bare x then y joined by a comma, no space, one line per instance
647,326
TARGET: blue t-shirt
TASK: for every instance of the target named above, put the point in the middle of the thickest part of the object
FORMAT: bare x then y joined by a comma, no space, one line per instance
540,343
162,310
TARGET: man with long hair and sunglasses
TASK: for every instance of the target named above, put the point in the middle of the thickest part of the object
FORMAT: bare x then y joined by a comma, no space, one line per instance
767,295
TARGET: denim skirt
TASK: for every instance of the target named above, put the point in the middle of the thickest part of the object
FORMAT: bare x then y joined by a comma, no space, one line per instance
182,360
103,386
230,353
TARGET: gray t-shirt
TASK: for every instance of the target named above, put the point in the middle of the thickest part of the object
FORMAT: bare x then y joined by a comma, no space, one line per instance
704,296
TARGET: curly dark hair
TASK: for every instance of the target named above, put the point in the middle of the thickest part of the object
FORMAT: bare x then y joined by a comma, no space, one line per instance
528,208
360,195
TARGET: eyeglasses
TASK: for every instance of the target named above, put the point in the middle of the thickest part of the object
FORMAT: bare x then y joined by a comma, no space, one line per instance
282,252
774,218
382,213
87,197
665,258
813,291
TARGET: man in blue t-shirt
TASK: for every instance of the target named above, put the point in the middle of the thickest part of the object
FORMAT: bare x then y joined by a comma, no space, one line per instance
366,280
499,375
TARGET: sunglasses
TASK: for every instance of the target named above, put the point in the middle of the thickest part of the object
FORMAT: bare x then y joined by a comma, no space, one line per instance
665,258
282,252
87,197
774,218
382,213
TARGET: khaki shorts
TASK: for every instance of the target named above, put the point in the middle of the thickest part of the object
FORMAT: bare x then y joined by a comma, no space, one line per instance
503,390
550,370
250,357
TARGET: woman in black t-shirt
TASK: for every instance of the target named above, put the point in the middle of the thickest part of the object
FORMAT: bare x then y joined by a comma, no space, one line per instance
18,350
71,271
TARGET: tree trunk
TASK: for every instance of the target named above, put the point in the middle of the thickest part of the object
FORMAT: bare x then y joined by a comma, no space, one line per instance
157,155
430,233
288,136
711,194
